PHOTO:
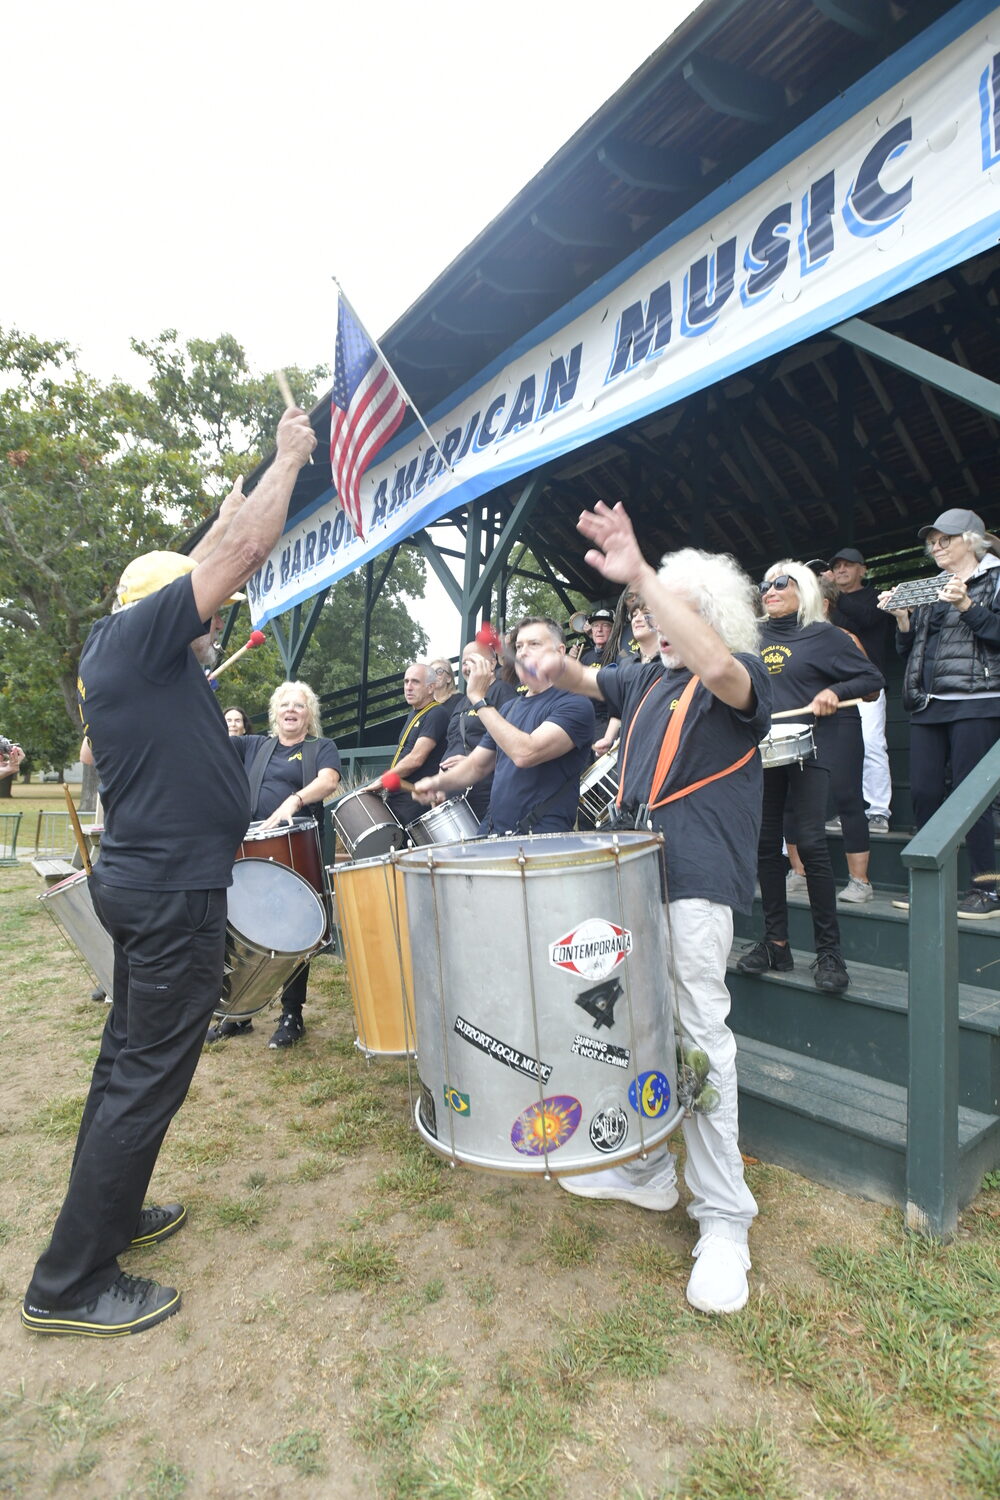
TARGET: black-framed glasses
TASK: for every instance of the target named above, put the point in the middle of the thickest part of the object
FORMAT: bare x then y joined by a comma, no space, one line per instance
781,582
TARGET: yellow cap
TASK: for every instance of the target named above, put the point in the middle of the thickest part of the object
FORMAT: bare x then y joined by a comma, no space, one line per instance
151,572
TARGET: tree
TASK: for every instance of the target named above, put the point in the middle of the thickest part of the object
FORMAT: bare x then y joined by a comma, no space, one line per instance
527,595
92,474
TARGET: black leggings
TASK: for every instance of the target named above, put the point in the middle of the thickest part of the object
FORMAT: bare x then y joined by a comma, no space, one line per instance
962,744
841,749
804,790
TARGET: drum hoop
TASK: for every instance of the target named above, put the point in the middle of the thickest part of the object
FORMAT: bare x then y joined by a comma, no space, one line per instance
434,859
254,835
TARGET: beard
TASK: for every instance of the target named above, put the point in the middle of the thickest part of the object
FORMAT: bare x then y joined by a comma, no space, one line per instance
670,661
206,651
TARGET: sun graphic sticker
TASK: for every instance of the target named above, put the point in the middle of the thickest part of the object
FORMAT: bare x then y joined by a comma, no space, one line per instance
547,1125
593,950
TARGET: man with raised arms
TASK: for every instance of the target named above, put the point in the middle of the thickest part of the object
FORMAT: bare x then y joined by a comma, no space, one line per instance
176,805
706,800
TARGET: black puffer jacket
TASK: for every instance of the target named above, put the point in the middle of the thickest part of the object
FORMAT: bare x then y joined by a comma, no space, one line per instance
964,656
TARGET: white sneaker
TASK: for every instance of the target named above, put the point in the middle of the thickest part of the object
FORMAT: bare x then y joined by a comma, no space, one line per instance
857,891
795,884
718,1283
657,1192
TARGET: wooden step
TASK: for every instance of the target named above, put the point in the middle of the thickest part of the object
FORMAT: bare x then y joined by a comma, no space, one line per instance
865,1027
878,933
841,1128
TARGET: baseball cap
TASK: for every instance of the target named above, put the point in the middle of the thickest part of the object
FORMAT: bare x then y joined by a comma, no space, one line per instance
599,614
848,554
152,571
954,522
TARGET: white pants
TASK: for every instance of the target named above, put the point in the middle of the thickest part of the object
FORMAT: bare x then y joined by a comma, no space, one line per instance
700,935
876,783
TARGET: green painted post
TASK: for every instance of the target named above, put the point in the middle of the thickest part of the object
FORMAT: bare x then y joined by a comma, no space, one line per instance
932,1099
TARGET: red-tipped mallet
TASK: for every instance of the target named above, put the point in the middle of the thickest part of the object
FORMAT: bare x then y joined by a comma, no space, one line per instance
488,635
257,638
393,783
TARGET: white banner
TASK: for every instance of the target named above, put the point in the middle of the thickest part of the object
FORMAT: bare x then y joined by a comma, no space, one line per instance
906,186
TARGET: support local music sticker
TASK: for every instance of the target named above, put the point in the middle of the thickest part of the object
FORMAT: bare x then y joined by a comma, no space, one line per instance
547,1125
593,950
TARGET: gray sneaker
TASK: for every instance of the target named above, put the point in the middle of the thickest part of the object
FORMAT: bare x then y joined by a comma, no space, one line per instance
878,823
857,891
833,826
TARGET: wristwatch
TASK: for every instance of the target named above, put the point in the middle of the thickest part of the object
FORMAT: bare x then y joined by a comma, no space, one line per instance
478,707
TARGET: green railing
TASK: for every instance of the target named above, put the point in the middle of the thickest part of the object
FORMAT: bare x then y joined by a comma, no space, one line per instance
932,1103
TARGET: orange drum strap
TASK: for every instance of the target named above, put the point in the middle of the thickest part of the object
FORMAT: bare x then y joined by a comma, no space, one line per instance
668,751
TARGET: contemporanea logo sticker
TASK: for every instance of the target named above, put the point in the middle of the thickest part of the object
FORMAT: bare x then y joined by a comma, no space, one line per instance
593,950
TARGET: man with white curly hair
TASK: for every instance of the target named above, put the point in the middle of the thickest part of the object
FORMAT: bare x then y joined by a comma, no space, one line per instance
710,682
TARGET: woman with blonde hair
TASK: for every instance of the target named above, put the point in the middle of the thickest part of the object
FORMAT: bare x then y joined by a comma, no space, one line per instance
813,667
292,771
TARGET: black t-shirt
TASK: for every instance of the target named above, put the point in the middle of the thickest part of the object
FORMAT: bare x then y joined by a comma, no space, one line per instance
591,658
424,723
466,730
175,797
285,772
858,611
553,786
711,834
802,660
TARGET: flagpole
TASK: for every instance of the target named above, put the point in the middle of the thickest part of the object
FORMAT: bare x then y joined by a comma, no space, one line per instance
403,391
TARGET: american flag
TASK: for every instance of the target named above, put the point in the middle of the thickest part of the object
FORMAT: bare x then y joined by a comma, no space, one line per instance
366,408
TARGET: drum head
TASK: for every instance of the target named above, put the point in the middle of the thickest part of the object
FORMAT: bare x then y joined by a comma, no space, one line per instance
274,908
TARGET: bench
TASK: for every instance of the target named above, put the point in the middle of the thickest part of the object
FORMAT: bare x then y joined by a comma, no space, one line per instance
52,871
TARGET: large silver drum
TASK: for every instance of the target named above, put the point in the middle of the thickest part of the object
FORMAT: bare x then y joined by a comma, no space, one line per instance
545,1038
276,921
72,910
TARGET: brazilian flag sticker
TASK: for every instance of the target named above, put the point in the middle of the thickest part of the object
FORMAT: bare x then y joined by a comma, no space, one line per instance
456,1101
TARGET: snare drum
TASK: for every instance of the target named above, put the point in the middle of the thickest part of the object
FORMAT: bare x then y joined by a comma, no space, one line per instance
598,790
366,826
371,909
450,823
296,846
787,745
547,1044
276,921
70,907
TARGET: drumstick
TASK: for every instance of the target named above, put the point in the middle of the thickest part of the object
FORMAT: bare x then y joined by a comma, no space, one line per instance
393,783
81,842
281,381
257,638
789,713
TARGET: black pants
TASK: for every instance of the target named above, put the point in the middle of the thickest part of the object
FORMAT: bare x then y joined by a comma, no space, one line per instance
841,748
804,789
962,744
169,948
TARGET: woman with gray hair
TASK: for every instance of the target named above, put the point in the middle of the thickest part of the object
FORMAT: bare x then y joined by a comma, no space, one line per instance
951,685
813,666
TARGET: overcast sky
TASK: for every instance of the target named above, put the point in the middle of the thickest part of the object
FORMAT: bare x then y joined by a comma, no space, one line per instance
209,166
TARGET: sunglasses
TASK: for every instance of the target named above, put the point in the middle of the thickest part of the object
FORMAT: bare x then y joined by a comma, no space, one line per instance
781,582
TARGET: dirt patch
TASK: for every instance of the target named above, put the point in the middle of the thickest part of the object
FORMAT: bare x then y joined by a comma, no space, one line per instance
361,1320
